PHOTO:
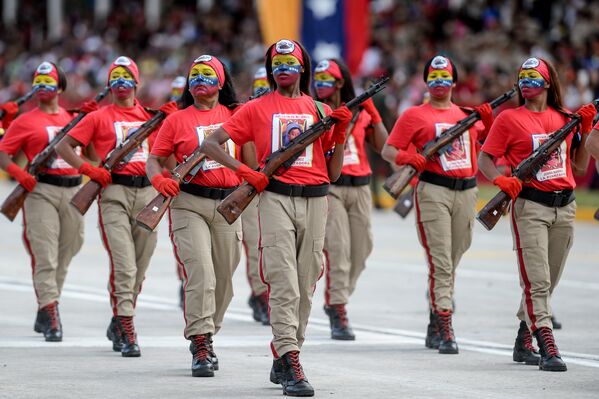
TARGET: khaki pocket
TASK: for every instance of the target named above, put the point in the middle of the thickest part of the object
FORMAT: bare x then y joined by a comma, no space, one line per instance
179,224
239,235
318,244
268,240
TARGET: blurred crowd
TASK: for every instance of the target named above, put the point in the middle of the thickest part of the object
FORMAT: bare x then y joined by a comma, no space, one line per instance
488,40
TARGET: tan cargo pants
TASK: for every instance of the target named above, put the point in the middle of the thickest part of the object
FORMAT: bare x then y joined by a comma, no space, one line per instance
444,220
292,231
348,240
52,234
209,249
543,237
251,233
129,246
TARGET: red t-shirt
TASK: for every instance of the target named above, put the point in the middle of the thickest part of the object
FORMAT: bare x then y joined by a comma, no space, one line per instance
110,126
31,132
270,121
420,124
517,132
184,131
355,159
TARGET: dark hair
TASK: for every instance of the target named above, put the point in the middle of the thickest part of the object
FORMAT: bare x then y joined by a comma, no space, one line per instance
554,92
226,95
347,91
305,77
454,74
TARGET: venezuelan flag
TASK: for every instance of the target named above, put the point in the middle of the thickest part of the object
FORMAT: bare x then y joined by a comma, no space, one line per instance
328,28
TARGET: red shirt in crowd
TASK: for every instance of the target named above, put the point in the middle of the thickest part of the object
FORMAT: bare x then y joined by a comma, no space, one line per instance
420,124
271,121
517,132
31,132
355,159
184,131
110,126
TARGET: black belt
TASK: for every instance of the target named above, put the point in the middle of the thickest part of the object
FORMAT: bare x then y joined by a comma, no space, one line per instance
207,192
297,190
131,181
553,199
347,180
60,181
449,182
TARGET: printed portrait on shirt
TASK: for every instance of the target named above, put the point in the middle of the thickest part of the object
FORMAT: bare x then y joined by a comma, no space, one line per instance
56,162
458,154
286,127
555,167
350,152
229,147
125,129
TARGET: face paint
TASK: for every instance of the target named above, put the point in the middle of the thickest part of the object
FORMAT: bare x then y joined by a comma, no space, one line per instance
203,80
531,83
324,83
259,86
439,83
121,82
46,87
286,69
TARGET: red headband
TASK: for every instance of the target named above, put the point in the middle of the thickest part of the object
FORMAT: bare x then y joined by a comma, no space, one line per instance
260,74
46,68
288,47
330,67
440,63
213,62
538,65
126,63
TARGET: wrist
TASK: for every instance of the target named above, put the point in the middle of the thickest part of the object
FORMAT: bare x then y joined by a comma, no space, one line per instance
13,169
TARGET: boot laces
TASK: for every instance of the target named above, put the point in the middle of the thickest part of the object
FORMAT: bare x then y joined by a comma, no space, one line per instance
549,342
341,313
52,311
295,365
200,343
445,326
527,341
128,331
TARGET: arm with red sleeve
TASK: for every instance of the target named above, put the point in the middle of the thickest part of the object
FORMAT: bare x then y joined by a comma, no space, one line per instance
163,147
12,143
395,151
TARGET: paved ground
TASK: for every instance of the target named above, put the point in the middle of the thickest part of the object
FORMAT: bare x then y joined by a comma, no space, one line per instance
388,312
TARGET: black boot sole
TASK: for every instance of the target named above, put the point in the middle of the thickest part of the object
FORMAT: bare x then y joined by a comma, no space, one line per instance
520,358
298,394
448,351
53,339
343,338
202,373
429,344
553,368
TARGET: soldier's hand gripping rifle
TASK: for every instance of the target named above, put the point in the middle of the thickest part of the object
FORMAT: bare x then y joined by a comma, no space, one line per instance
497,206
21,100
398,181
11,205
86,195
282,159
150,215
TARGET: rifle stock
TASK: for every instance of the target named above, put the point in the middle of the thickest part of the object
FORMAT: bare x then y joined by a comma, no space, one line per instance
151,214
494,210
398,181
404,204
233,206
84,198
14,202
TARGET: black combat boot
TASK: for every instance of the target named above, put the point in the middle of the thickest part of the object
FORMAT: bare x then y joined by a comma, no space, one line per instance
340,328
254,303
182,296
524,350
447,344
550,357
556,324
129,348
295,382
113,334
211,353
201,363
433,338
263,301
50,323
277,373
38,326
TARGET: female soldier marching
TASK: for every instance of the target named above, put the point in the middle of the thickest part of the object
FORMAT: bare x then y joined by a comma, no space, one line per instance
445,196
292,211
543,209
205,244
348,240
52,229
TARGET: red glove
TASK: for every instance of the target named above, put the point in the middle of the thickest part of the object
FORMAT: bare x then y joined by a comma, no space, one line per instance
25,179
257,179
89,106
99,175
342,116
486,114
169,107
510,185
415,160
167,173
414,181
369,107
11,109
165,186
587,112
